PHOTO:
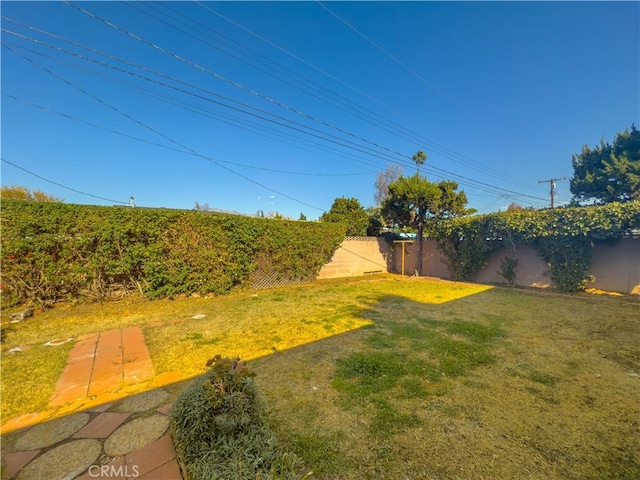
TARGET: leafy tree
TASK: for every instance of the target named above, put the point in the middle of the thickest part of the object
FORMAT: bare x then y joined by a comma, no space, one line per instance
414,201
383,179
14,192
376,221
609,172
303,217
350,212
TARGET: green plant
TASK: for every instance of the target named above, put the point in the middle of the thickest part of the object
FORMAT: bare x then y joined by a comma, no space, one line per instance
418,203
349,212
563,236
54,252
544,378
508,267
569,260
218,430
466,253
608,172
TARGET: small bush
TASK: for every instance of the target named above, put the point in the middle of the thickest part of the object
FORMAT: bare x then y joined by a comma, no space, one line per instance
508,267
218,431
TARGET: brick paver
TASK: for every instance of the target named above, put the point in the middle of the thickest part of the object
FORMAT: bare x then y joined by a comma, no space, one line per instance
74,382
102,363
102,426
153,455
15,461
168,471
137,362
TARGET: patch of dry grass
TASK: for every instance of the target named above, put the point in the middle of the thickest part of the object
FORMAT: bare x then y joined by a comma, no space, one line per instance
248,324
502,383
254,325
558,401
29,378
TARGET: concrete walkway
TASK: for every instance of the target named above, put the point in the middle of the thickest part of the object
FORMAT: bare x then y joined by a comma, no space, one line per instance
101,431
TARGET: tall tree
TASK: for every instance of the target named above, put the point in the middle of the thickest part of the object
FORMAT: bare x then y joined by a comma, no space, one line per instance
14,192
414,201
419,158
350,212
383,179
376,221
609,172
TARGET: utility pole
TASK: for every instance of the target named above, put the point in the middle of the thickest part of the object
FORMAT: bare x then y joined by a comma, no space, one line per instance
552,185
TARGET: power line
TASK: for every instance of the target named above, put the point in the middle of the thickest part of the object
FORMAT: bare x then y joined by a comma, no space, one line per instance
342,142
234,83
473,182
61,185
268,64
359,148
367,150
142,140
398,129
229,81
299,127
205,157
392,57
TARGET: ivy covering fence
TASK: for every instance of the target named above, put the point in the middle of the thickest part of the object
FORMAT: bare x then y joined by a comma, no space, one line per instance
54,251
563,236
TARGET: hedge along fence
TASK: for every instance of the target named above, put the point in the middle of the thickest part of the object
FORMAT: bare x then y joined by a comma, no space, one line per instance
564,237
54,251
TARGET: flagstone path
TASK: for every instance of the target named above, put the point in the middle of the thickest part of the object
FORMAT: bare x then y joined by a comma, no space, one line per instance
104,433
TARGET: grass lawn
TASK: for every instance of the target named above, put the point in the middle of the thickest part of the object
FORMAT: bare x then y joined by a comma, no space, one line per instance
379,377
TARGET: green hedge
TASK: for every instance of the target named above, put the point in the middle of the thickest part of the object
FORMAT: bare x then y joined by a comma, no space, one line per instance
564,237
55,251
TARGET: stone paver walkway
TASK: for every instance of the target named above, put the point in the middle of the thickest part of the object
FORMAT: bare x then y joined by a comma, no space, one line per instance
124,439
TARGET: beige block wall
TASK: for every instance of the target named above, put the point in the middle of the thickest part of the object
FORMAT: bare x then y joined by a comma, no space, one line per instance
432,265
359,256
616,267
532,270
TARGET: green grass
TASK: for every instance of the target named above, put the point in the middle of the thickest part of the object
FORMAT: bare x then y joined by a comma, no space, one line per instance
29,378
378,378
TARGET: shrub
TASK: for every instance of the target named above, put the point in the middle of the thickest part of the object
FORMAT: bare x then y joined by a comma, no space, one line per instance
508,267
563,236
218,431
54,252
569,260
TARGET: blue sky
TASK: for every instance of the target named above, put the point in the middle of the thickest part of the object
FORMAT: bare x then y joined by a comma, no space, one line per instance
285,106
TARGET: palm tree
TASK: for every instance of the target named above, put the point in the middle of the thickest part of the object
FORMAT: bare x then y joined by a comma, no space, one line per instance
419,158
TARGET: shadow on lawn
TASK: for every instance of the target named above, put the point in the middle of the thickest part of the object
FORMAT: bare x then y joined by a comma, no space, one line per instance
409,391
428,389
